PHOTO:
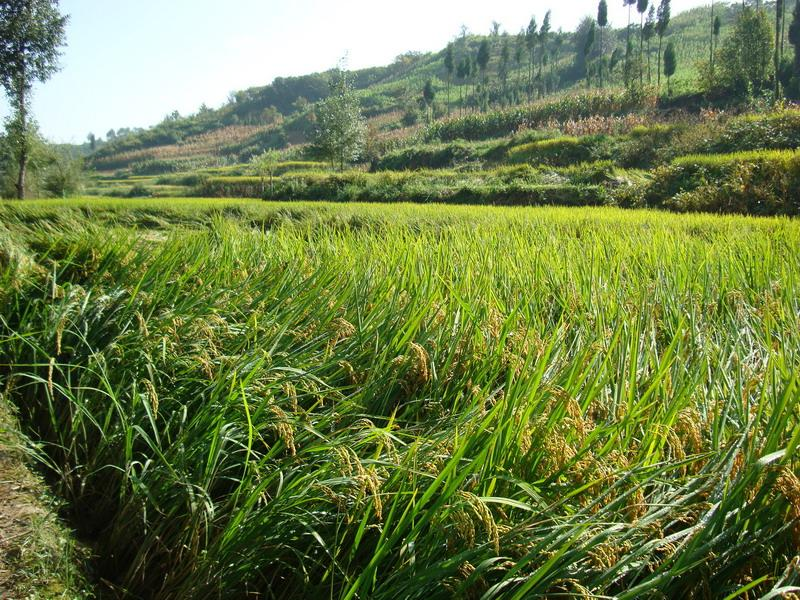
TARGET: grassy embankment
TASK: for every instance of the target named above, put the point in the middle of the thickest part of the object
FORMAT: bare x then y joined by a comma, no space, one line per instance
427,401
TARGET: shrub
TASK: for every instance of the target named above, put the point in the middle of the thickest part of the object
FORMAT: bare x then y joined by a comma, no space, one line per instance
759,183
562,151
430,156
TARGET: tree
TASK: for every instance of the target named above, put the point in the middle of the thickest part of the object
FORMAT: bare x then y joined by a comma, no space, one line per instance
92,139
265,165
482,60
531,36
716,27
794,38
341,129
670,64
428,96
463,73
502,72
662,24
602,23
628,46
588,46
778,30
746,58
449,66
648,32
711,41
544,36
31,36
519,54
641,7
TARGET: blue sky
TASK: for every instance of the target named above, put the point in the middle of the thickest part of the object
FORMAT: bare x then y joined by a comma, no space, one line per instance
129,63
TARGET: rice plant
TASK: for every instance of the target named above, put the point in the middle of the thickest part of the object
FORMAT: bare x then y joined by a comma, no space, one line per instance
287,401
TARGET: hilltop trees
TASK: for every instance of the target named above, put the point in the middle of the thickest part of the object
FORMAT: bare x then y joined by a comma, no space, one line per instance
341,129
31,35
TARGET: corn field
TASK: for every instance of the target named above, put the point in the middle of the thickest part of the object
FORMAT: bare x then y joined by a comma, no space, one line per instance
261,400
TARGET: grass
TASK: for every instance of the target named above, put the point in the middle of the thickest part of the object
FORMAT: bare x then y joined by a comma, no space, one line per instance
38,555
287,400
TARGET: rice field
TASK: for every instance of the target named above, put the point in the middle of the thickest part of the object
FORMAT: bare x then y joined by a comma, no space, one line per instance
242,399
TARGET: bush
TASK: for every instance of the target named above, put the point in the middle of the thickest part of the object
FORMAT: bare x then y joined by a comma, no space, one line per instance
429,156
758,183
562,151
139,191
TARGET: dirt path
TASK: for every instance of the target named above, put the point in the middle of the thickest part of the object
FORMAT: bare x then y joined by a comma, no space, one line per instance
36,552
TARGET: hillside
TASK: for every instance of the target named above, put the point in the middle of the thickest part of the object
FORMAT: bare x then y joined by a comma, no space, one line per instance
280,115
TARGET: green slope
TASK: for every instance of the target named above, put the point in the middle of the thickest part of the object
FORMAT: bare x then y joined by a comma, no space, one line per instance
280,115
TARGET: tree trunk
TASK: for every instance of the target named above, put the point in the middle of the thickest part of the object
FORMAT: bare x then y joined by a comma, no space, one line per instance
23,140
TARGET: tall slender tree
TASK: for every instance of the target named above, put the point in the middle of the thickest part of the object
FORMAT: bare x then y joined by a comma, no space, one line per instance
629,4
711,40
648,32
519,55
502,69
544,36
602,23
482,60
531,36
428,96
794,38
462,75
31,36
449,67
670,64
777,59
662,24
641,8
588,47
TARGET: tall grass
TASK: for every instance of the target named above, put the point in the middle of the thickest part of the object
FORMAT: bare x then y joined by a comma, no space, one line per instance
422,402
